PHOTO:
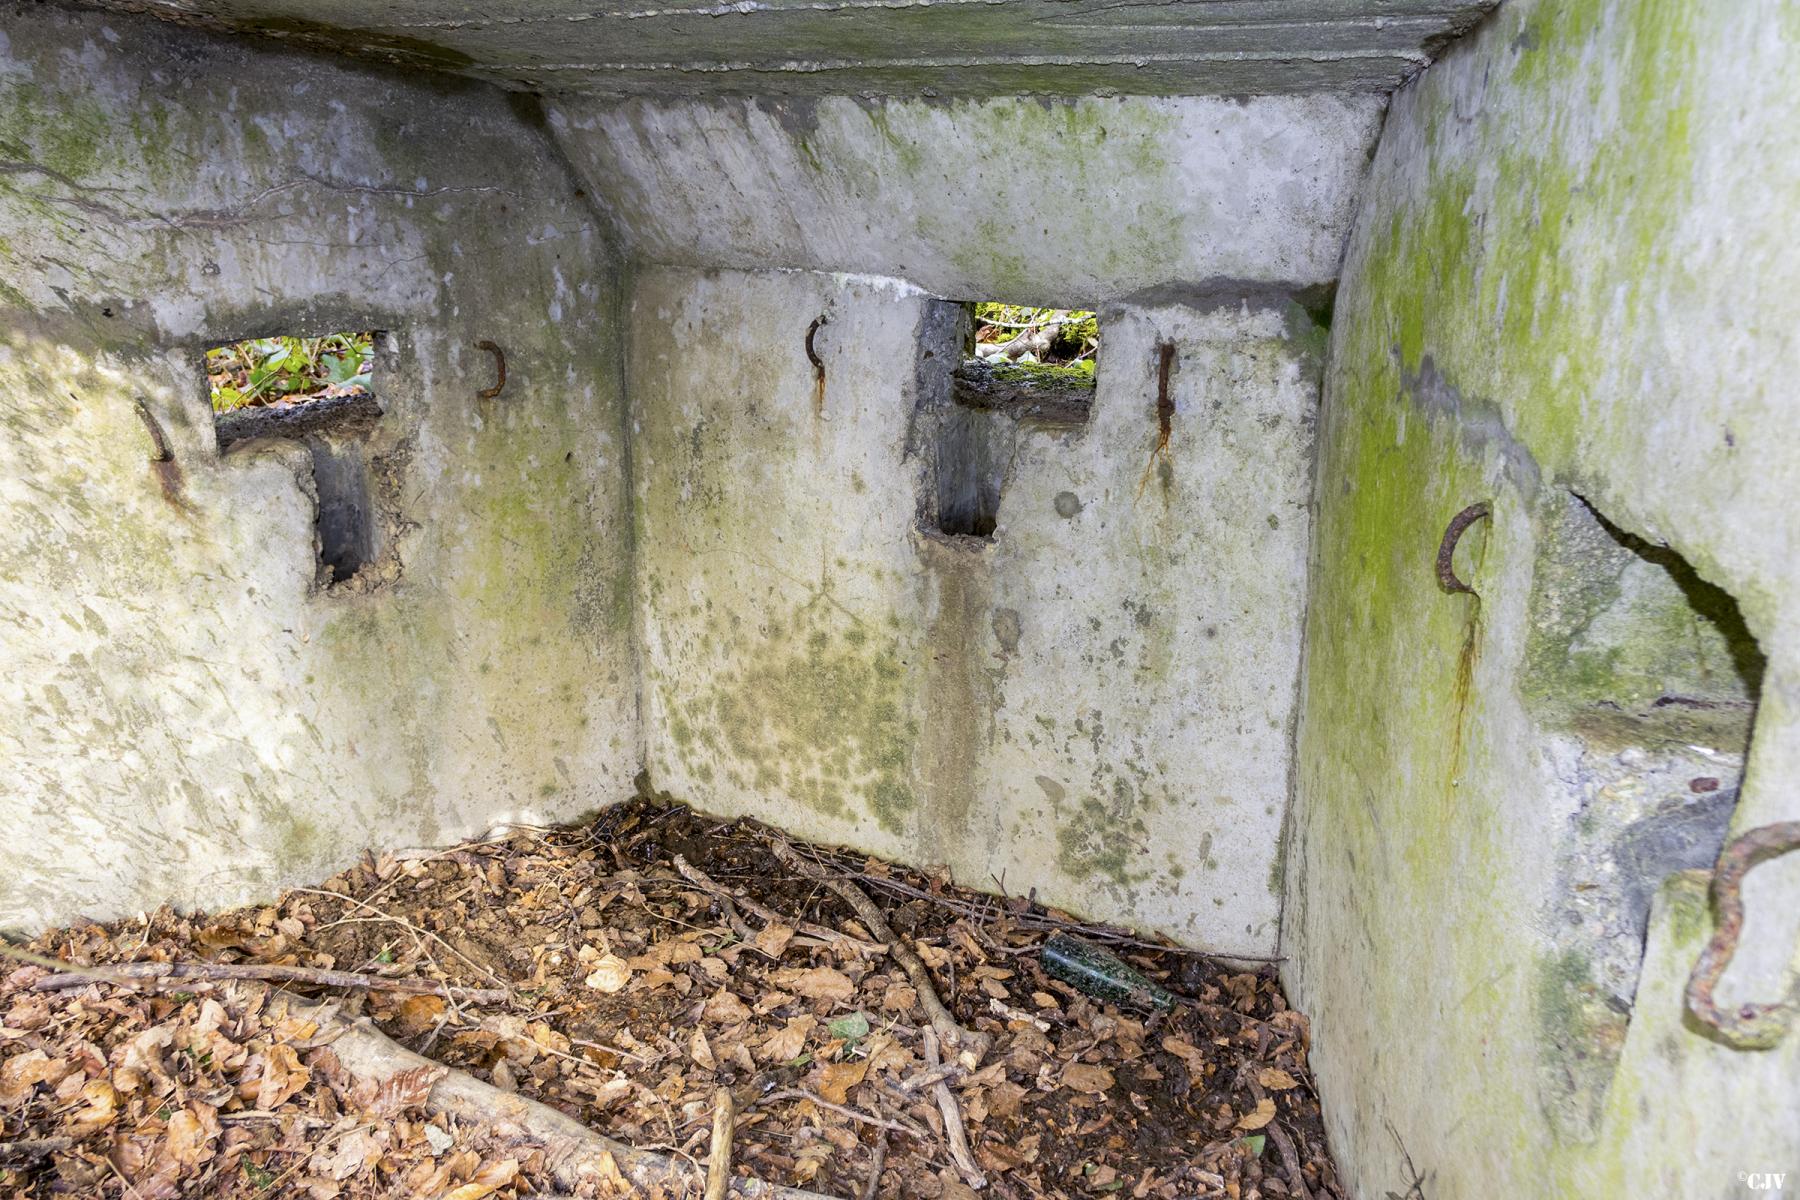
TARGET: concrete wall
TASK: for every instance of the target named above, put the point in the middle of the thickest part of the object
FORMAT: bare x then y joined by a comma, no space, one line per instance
1024,200
1095,703
186,713
1569,292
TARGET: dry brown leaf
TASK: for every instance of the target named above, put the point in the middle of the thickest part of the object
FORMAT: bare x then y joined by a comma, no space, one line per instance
470,1191
725,1009
821,983
1276,1079
189,1139
773,939
419,1013
1265,1112
836,1079
102,1106
20,1076
609,1173
283,1074
610,974
398,1093
1087,1078
1187,1051
785,1044
700,1050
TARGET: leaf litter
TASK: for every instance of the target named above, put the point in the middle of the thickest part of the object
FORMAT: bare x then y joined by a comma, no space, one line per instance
636,993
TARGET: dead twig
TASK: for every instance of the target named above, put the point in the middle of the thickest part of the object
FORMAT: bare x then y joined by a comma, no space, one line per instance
383,915
1009,1013
844,1110
1290,1161
874,1180
954,1133
769,916
127,974
931,1078
964,1041
35,1147
718,1160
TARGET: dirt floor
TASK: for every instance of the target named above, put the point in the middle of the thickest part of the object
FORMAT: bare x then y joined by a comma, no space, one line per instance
635,993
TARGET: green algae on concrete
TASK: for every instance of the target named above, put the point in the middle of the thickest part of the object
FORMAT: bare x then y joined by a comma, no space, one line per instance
819,713
177,675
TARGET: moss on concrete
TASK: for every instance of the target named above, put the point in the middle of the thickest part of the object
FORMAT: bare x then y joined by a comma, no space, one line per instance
1528,238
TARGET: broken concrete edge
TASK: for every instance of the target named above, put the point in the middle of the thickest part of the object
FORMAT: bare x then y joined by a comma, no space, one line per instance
577,1152
345,416
1052,397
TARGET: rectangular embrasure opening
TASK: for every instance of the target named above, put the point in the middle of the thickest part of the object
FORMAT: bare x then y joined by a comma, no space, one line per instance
1022,365
319,391
292,386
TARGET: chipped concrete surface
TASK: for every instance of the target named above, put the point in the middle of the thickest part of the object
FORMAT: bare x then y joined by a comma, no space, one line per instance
1094,704
186,716
1093,199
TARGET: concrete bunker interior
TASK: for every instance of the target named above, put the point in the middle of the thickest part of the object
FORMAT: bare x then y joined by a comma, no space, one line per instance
1411,599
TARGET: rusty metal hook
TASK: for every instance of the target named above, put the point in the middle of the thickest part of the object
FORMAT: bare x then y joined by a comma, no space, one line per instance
818,364
157,438
1749,1026
1446,555
499,367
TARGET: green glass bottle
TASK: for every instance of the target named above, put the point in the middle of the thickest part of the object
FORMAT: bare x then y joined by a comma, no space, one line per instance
1101,973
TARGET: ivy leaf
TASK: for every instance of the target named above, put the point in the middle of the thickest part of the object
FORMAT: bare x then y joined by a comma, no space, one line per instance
852,1028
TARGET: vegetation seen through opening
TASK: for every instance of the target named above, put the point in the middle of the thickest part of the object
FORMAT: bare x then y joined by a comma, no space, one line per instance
1061,337
289,370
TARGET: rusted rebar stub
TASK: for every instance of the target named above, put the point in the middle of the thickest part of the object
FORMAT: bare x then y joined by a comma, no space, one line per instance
499,369
1446,555
1748,1026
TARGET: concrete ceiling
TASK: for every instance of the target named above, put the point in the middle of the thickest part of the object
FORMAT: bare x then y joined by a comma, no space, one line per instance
872,47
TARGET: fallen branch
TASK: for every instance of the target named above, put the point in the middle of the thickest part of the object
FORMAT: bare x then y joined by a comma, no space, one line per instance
575,1153
126,974
718,1162
35,1147
954,1133
964,1041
